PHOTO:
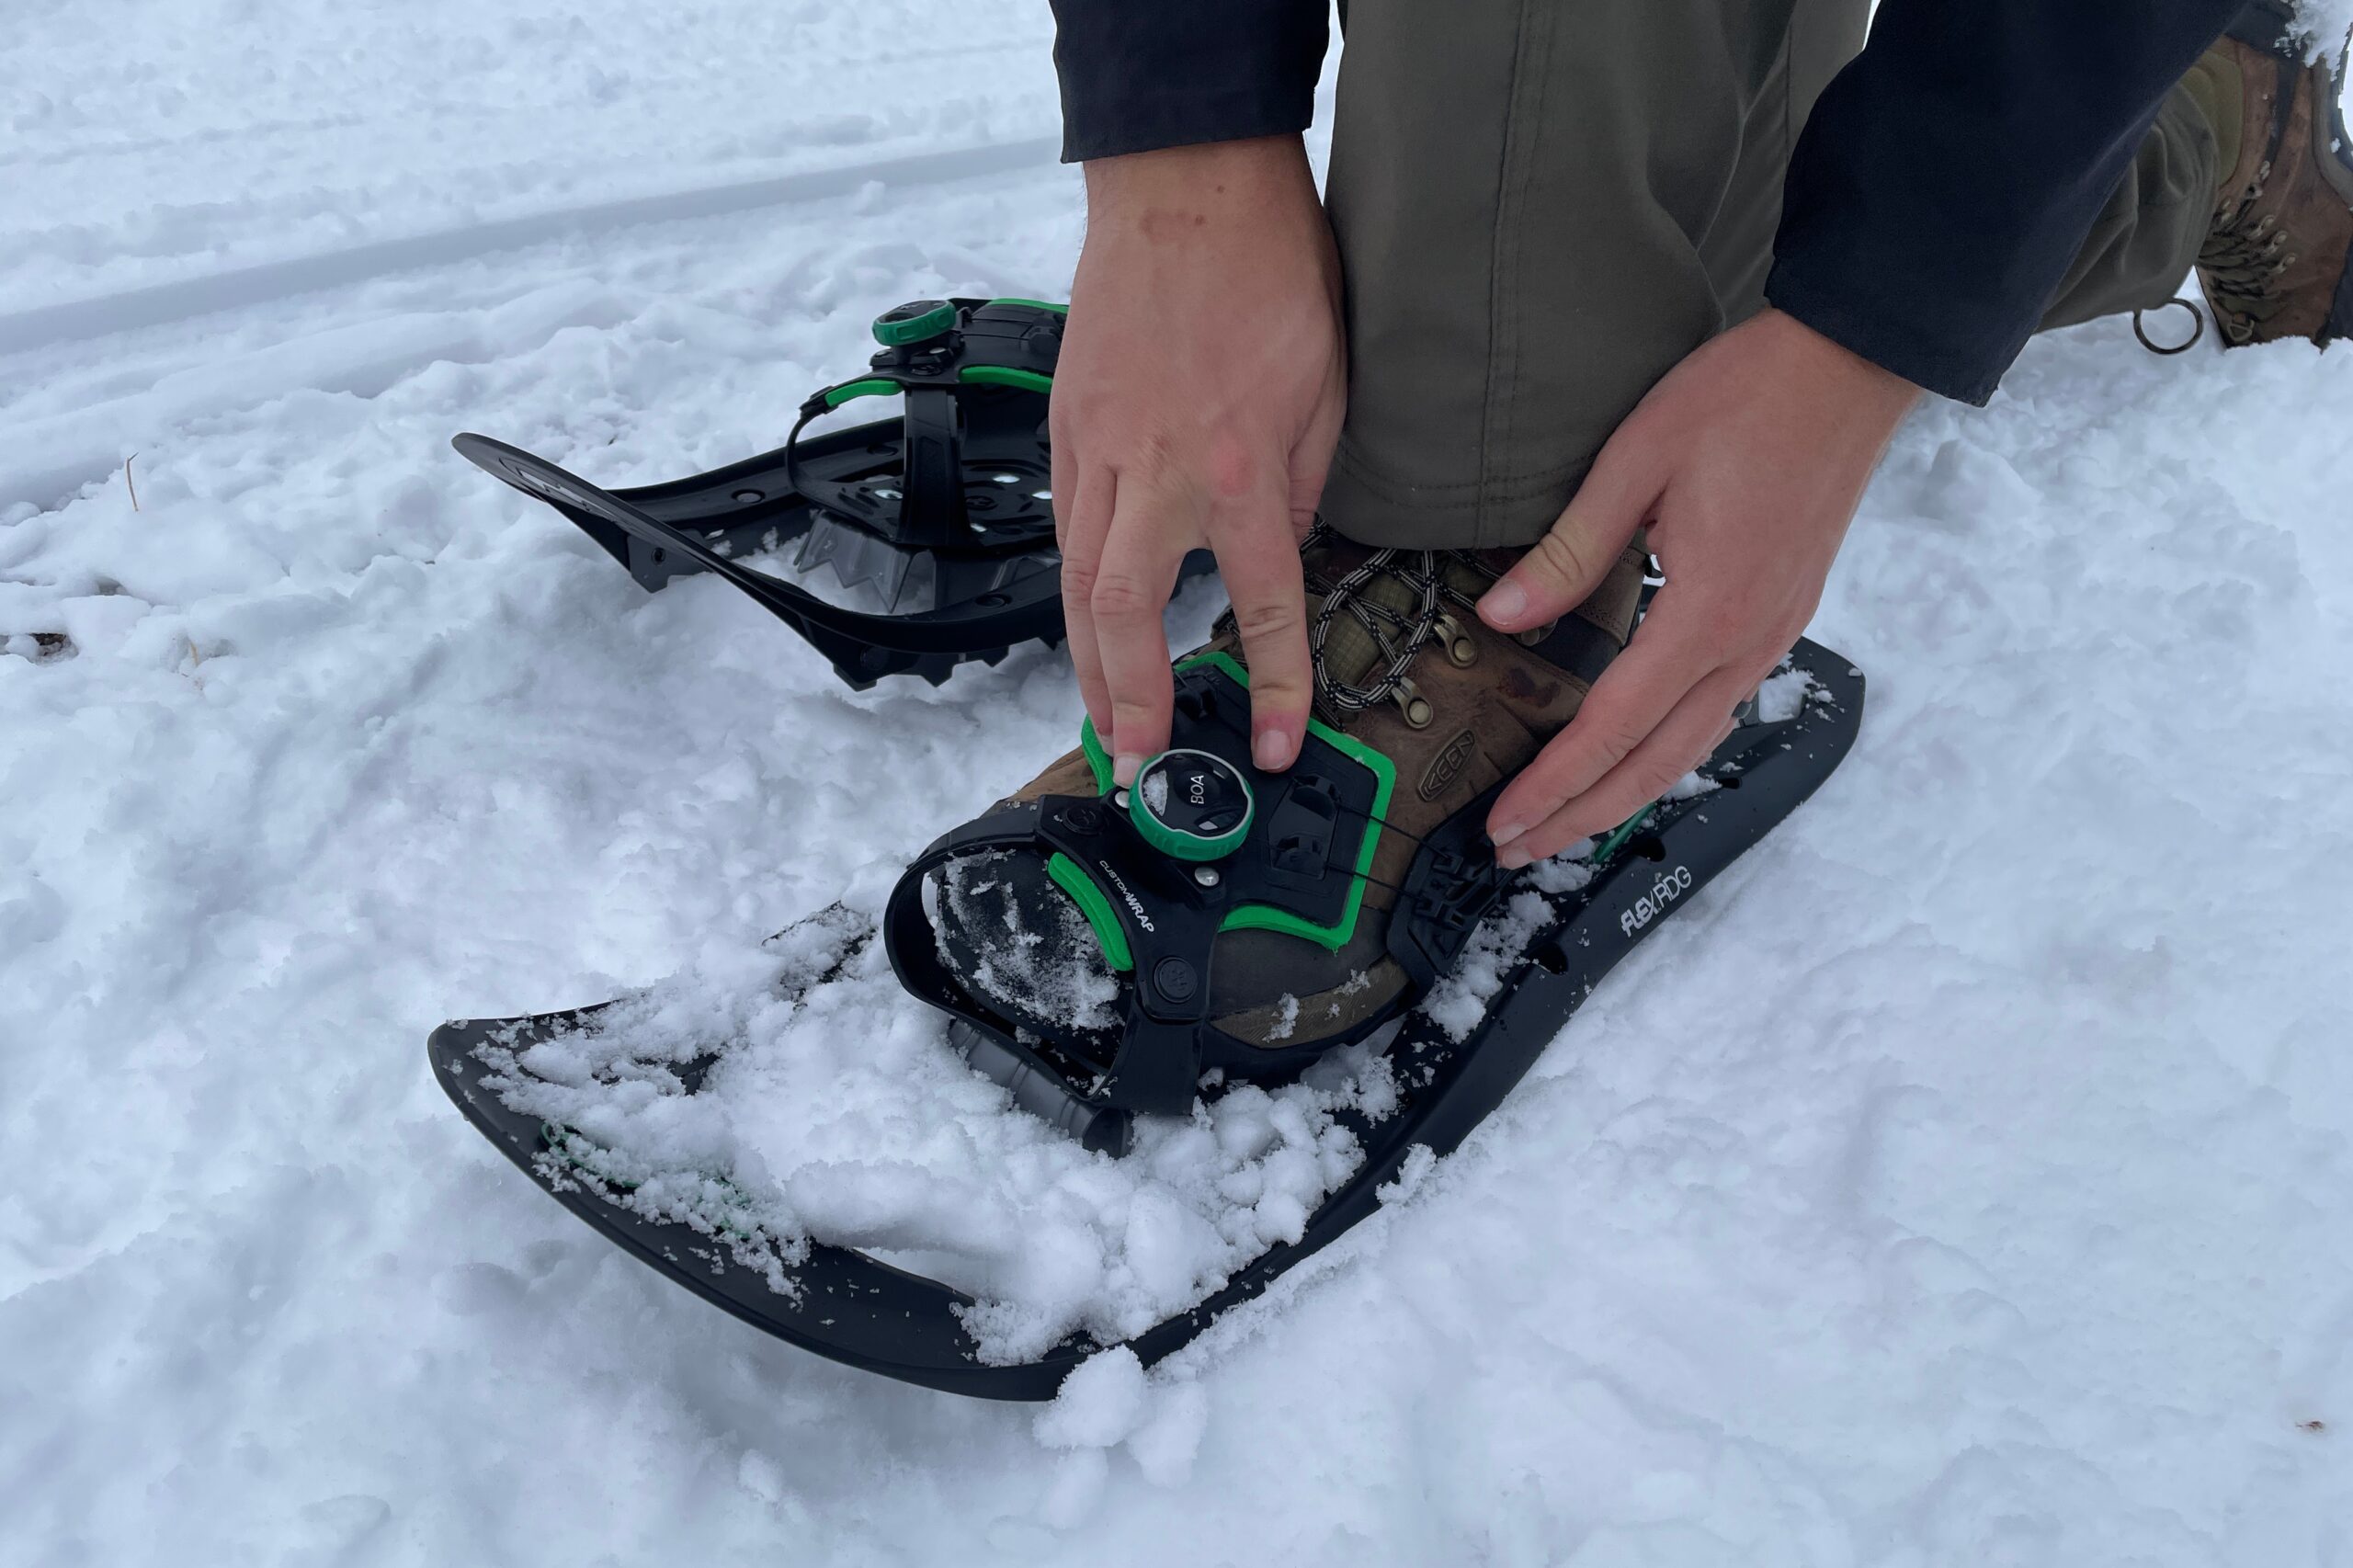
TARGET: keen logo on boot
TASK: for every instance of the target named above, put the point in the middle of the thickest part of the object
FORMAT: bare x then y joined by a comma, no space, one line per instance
1447,766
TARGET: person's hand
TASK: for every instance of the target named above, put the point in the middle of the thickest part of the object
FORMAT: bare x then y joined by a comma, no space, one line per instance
1196,404
1747,461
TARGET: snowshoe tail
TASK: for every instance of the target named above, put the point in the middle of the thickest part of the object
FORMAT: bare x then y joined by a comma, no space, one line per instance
942,519
866,1314
1009,608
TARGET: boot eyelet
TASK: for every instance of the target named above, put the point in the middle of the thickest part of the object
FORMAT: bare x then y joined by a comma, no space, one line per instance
1413,705
1460,650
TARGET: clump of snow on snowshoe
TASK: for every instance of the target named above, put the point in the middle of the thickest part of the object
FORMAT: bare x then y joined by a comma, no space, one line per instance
1458,1003
1691,787
1781,695
1036,956
828,1106
1565,872
1244,1172
620,1095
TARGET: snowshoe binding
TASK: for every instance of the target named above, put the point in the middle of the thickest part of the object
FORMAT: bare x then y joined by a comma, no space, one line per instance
1109,953
939,530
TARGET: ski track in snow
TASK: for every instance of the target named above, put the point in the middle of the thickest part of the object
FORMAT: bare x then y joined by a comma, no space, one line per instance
1960,1179
272,281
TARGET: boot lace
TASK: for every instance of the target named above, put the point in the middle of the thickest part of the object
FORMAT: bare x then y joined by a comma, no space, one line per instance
2243,260
1398,633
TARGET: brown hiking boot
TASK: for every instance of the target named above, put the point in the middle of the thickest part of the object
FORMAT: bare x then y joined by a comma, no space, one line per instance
1404,669
2274,263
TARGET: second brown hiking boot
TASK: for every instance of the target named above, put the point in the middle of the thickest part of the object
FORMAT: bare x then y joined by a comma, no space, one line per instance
2274,263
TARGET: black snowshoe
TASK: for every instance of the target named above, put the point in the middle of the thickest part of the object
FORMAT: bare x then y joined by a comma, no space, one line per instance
939,530
1159,873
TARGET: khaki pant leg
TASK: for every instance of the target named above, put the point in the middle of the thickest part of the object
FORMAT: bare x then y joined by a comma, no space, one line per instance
1820,36
1525,193
1543,205
2148,234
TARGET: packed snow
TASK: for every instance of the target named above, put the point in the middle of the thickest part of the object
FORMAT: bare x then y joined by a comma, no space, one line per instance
836,1111
1056,975
1959,1179
1459,1001
1781,696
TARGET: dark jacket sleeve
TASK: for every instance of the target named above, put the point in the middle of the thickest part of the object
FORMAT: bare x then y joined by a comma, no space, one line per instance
1140,75
1950,171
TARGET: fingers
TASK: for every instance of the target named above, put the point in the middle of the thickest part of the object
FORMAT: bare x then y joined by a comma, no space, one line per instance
1149,534
1258,557
1565,566
1640,687
1690,729
1083,509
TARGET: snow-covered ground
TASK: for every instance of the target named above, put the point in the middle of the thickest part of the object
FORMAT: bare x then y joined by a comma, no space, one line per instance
1963,1179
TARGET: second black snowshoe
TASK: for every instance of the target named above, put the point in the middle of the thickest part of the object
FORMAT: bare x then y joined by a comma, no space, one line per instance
936,530
1108,953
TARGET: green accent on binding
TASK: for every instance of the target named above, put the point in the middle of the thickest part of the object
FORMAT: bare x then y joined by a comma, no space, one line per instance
1617,836
1097,757
1096,904
1265,917
1004,376
874,386
893,331
1035,305
1188,846
971,375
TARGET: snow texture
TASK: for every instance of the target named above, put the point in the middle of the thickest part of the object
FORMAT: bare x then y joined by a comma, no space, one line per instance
1057,976
837,1112
1457,1002
1780,697
1962,1178
2324,25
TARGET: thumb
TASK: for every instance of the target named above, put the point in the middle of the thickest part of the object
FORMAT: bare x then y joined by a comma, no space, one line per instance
1563,568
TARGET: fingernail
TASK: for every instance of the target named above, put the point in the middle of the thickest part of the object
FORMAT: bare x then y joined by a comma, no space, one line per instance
1506,833
1504,603
1272,750
1123,768
1511,857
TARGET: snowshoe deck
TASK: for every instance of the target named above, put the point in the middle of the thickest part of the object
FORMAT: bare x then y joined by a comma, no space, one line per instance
866,1314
